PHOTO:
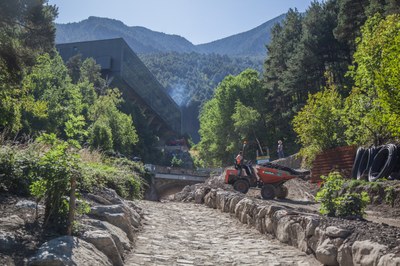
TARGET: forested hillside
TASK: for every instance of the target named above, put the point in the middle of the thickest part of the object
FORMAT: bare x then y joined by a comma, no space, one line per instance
331,78
189,72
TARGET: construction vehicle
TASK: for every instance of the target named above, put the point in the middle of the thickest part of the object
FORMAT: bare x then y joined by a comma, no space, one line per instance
267,176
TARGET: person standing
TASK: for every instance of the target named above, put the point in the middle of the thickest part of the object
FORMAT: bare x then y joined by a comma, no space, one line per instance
280,149
239,161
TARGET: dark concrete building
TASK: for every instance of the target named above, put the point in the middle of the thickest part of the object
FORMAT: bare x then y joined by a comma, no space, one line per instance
120,65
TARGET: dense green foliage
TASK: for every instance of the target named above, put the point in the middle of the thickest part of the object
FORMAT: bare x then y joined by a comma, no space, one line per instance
319,125
373,105
308,95
53,110
26,30
229,118
334,204
44,168
192,77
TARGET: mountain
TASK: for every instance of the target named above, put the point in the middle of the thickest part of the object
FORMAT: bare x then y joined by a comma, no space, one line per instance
144,41
140,39
249,43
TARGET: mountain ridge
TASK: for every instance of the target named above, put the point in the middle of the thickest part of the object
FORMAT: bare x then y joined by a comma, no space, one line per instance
143,40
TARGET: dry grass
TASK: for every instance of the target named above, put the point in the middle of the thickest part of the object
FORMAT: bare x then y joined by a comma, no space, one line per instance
91,156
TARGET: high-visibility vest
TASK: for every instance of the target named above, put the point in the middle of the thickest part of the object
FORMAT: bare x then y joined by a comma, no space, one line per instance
239,159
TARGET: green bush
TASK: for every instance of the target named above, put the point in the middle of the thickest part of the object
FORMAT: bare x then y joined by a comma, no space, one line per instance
122,175
175,162
351,204
16,167
334,204
44,170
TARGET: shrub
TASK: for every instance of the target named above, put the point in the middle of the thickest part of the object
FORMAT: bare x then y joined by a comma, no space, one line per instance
175,162
351,204
16,167
334,204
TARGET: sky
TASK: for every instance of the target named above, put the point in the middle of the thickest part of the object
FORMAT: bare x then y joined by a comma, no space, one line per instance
199,21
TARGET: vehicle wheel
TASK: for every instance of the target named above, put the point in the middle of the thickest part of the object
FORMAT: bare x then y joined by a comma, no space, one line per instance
282,192
241,185
268,192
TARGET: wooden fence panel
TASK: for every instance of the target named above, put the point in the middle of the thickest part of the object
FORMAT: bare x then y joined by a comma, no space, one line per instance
340,159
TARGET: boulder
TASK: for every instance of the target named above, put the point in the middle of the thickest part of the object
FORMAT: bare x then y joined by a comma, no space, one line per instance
389,260
282,228
104,242
68,250
311,223
316,239
345,257
120,238
117,215
11,223
8,241
367,253
222,198
233,202
210,199
200,193
244,210
335,232
98,199
298,237
260,218
327,252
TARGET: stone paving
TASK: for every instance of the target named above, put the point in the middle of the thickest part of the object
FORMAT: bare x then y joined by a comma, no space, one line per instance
176,233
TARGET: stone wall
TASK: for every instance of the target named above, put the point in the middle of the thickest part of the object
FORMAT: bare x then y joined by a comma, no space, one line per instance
309,232
104,236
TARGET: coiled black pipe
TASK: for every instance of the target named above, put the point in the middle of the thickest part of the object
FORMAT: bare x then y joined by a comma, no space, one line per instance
357,160
366,162
383,163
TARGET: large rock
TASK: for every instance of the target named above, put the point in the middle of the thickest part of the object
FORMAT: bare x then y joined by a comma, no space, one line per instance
389,260
367,253
200,193
260,219
311,223
333,231
68,250
298,238
244,210
345,256
118,215
8,241
233,202
282,227
120,238
326,253
210,199
104,242
11,223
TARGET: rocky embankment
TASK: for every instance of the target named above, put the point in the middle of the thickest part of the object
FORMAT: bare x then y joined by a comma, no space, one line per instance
103,237
332,241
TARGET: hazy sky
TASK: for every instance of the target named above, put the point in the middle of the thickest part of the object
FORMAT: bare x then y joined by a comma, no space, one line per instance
199,21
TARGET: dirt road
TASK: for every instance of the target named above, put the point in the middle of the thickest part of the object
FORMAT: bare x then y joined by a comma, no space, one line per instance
189,234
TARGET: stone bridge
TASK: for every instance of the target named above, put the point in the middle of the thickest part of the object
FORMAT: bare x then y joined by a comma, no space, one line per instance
168,180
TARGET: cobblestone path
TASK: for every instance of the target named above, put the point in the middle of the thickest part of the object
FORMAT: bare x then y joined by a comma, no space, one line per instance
190,234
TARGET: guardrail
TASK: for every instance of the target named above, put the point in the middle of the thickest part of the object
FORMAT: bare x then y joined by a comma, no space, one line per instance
203,172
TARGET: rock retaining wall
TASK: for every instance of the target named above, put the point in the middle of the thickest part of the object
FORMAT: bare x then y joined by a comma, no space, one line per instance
308,232
105,237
